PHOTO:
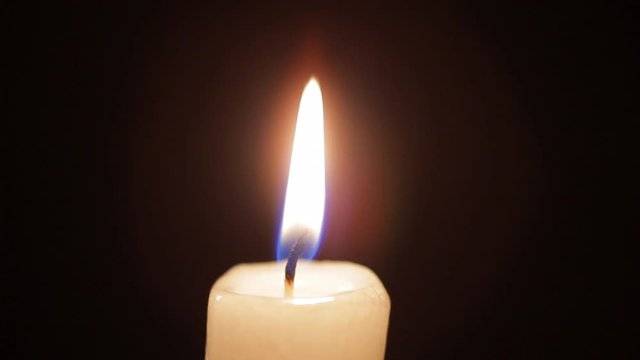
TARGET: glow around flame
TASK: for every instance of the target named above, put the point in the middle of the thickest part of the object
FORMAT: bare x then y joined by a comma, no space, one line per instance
305,196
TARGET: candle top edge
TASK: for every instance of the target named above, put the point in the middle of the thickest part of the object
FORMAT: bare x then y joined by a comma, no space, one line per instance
316,282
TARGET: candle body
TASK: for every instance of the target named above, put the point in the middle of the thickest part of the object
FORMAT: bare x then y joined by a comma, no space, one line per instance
339,310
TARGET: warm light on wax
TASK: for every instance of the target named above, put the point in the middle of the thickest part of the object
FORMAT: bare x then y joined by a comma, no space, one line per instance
304,199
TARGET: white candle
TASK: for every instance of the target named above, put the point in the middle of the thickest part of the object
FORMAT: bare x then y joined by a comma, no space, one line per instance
340,311
327,309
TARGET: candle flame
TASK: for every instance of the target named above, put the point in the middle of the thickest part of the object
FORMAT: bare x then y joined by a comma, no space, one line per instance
305,196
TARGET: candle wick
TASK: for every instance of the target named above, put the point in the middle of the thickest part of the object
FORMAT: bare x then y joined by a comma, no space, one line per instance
296,249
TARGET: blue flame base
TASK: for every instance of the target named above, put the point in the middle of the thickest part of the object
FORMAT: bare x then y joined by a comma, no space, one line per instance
306,243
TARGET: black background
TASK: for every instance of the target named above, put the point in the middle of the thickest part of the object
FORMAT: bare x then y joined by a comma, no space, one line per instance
470,163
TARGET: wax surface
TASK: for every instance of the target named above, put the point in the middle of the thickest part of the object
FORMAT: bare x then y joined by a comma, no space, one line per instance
340,310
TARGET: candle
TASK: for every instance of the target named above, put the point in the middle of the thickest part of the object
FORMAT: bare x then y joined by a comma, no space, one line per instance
299,309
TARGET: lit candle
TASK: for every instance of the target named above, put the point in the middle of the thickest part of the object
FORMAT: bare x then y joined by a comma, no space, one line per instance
303,309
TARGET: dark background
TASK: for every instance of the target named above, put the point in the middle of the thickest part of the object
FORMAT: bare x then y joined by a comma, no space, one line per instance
472,154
